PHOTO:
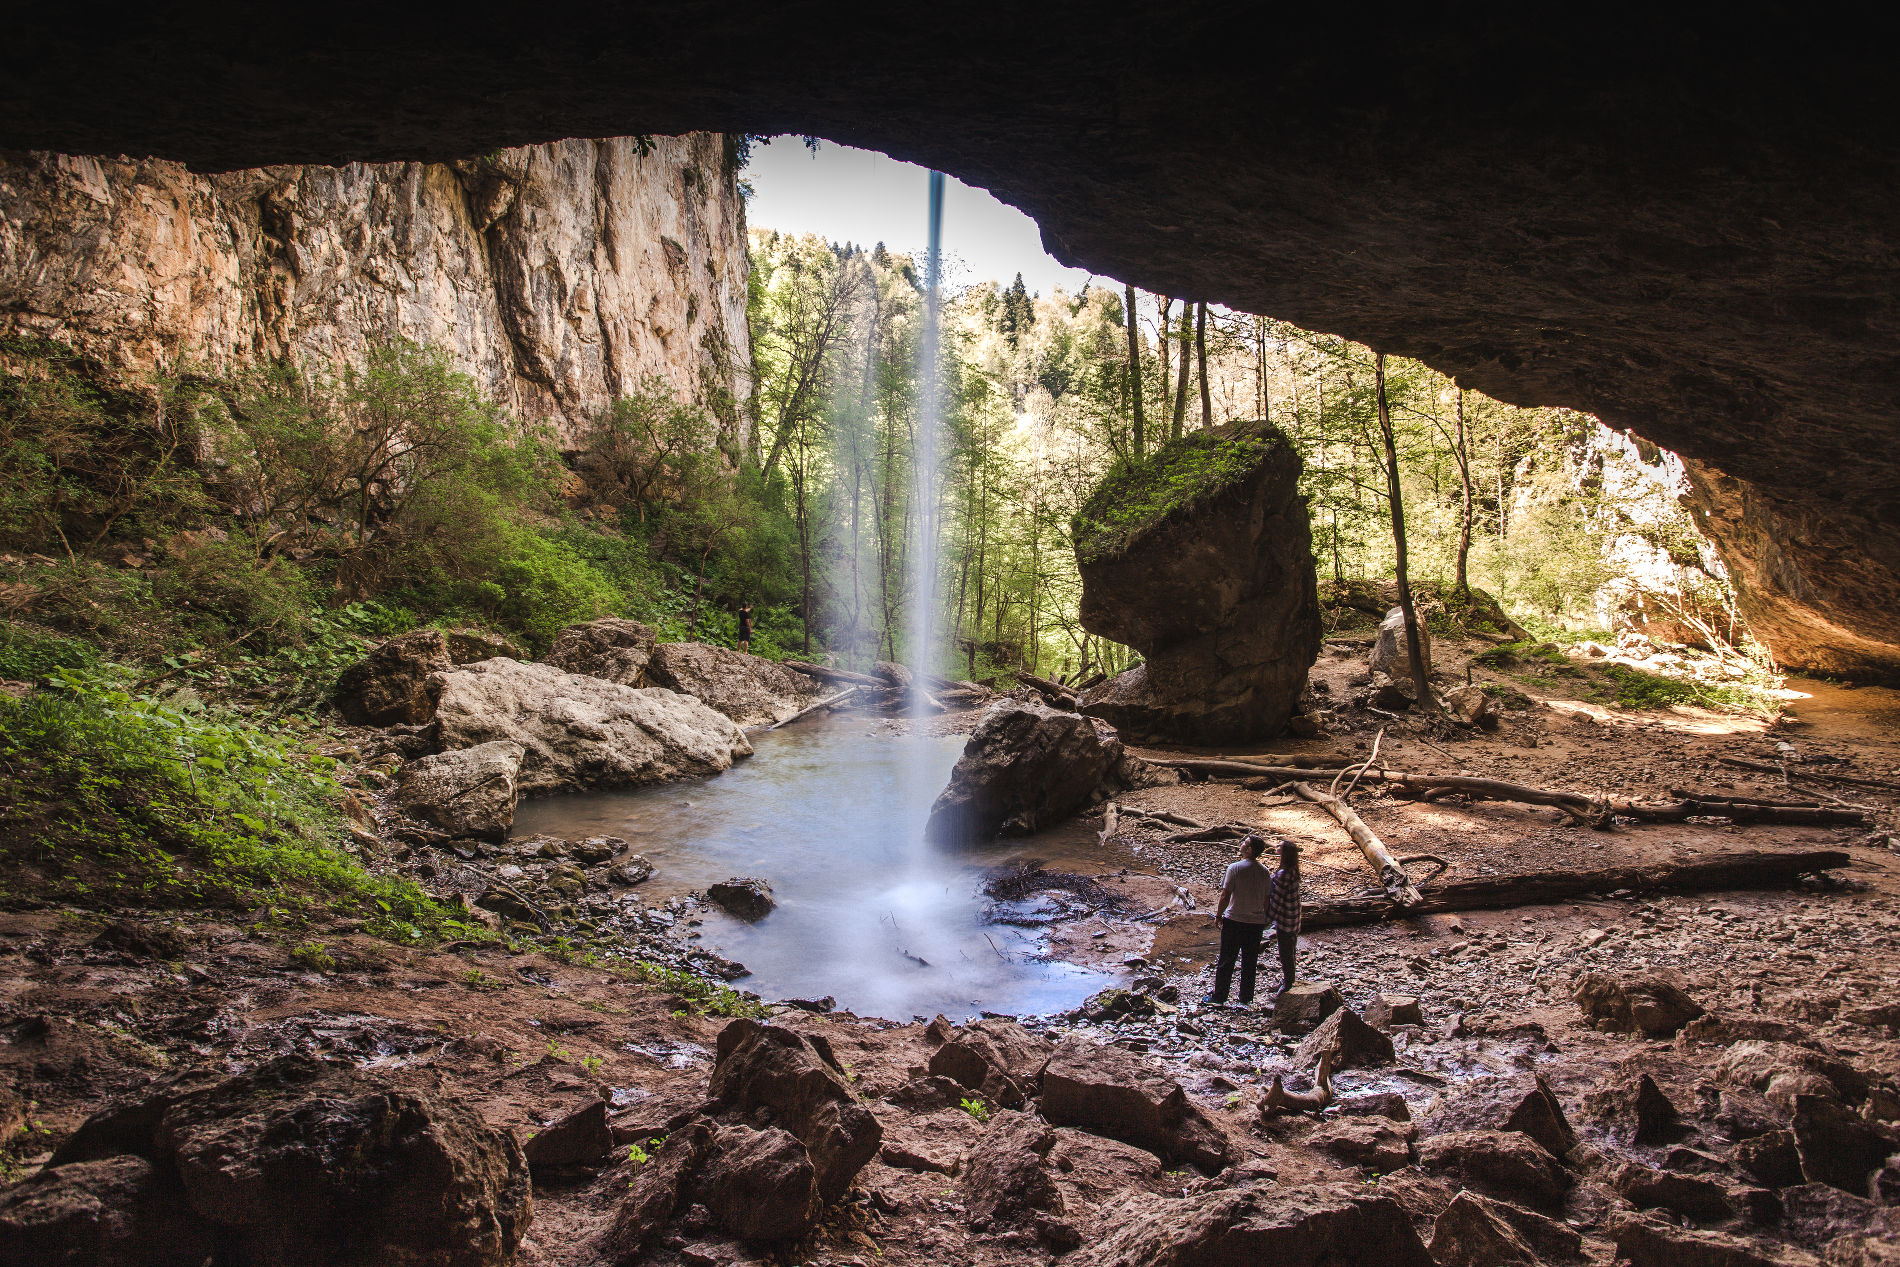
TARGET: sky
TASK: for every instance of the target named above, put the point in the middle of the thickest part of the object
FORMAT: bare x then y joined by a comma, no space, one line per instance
861,196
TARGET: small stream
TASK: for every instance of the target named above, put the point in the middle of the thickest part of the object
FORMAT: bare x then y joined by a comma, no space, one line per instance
831,814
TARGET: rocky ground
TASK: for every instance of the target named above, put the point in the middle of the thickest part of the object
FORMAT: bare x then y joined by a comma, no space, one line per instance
1704,1077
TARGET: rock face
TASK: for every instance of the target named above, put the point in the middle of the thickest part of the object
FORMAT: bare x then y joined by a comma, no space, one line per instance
392,685
581,732
559,276
611,648
750,690
115,1213
1322,1225
1201,558
470,791
1027,765
302,1162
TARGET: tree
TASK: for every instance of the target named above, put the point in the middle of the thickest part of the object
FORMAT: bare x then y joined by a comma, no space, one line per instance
1134,369
1421,681
1185,338
645,448
1200,347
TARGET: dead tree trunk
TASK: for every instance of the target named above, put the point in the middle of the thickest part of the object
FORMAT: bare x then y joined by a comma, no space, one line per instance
822,704
1398,886
1420,679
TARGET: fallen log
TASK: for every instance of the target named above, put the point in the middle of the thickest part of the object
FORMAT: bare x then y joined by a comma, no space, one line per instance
1398,886
830,674
1054,690
1224,767
1769,767
822,704
1741,869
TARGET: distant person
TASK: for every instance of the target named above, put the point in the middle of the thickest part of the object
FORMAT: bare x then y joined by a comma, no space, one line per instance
745,627
1283,908
1242,915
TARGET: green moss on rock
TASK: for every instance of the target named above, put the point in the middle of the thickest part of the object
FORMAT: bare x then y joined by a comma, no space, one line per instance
1137,495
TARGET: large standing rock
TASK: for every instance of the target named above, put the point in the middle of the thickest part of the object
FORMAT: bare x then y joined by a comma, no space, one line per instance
653,1192
394,684
1505,1162
760,1185
303,1162
768,1066
1321,1225
584,732
1348,1040
1115,1093
1519,1102
119,1212
470,791
1648,1003
1006,1177
1837,1146
1201,557
1470,1233
1634,1108
751,690
612,648
1391,653
1025,766
998,1059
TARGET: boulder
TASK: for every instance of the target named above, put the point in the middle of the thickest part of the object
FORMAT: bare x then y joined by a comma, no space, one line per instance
1688,1195
1548,1239
1388,1010
1374,1143
899,676
1837,1146
1507,1163
743,897
749,689
1200,556
395,684
633,869
301,1161
1470,1233
591,851
581,732
118,1212
1006,1177
1520,1102
1771,1159
760,1185
1756,1065
1390,653
1647,1241
1470,705
469,791
1351,1043
1633,1108
1025,766
467,646
1306,1004
769,1066
579,1138
1115,1093
1862,1251
653,1191
1629,1003
615,649
997,1059
1318,1225
1423,1197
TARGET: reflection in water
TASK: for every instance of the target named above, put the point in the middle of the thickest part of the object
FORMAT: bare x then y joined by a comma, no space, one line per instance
831,813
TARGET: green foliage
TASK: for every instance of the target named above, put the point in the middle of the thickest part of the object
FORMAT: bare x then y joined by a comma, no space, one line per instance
28,655
1635,688
223,589
708,998
315,956
1141,493
637,1156
975,1108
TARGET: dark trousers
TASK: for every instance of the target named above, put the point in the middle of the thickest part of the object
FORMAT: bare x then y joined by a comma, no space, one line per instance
1289,948
1237,941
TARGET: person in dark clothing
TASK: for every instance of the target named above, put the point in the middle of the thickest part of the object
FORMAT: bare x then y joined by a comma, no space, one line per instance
745,626
1242,915
1283,908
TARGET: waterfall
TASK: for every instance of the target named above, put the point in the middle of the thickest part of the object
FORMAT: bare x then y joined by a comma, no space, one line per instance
922,629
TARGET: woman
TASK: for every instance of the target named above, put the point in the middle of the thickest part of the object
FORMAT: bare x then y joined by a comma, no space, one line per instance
1283,908
1242,915
744,640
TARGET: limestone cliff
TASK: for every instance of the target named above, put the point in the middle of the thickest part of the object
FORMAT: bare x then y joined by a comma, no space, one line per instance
559,275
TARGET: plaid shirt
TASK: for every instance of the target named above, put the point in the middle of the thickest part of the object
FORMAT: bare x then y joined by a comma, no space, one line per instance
1283,901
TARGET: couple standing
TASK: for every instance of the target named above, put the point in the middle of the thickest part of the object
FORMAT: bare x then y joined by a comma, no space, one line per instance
1251,897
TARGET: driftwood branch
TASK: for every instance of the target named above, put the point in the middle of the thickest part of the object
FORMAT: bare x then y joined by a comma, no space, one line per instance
830,702
1398,885
830,674
1768,767
1730,870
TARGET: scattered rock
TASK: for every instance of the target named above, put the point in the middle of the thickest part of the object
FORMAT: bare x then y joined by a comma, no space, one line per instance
467,646
1024,767
1688,1195
743,897
1422,1196
1508,1163
633,869
998,1059
118,1212
1522,1102
1391,652
1471,1234
1815,1214
1837,1146
1006,1177
1213,583
1470,705
1757,1064
752,691
581,1138
905,1157
594,850
1772,1159
470,791
1319,1225
1744,1114
1646,1241
760,1185
1387,1104
614,649
1120,1095
1372,1143
653,1191
1646,1003
1307,1003
1635,1109
395,683
769,1066
1351,1043
582,732
1388,1010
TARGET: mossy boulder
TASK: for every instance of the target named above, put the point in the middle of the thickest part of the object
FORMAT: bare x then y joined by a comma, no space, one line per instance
1200,556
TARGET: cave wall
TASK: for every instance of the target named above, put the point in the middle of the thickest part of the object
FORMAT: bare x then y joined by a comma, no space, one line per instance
559,276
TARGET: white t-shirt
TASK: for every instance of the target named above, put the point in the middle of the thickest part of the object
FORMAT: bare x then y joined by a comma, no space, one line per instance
1247,881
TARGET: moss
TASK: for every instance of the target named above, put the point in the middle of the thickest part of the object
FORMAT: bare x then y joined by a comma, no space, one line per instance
1507,696
1136,495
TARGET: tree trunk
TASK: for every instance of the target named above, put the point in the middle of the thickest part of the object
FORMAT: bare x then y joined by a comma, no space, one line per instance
1421,681
1163,311
1200,358
1398,886
1134,370
1184,338
1462,451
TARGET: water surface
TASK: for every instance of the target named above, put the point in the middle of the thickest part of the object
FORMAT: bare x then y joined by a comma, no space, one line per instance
831,813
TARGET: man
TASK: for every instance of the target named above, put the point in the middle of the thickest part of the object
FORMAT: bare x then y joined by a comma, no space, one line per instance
1242,915
745,627
1283,908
